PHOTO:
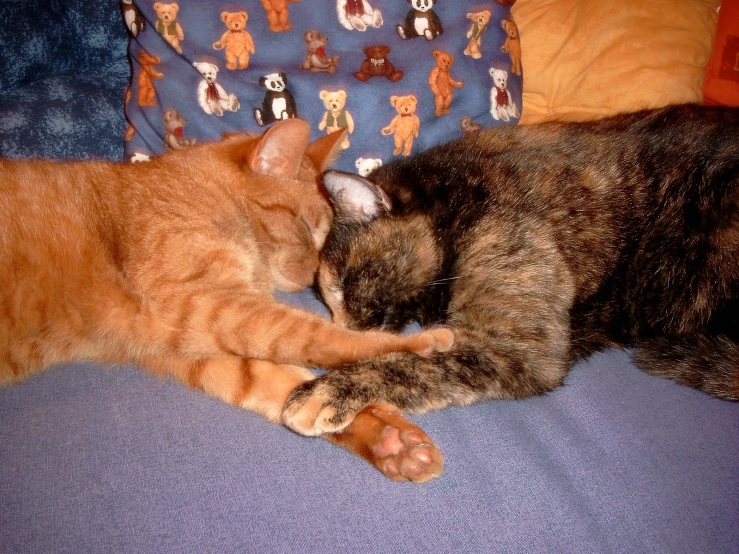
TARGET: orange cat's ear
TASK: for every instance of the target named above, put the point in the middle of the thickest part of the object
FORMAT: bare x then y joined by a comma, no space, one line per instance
324,151
280,150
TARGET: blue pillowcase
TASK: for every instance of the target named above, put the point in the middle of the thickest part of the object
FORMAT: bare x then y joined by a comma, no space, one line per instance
401,75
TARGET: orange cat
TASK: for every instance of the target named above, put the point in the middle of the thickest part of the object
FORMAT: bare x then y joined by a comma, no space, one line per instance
171,265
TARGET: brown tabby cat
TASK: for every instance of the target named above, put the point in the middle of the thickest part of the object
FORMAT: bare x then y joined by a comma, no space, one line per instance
539,246
172,265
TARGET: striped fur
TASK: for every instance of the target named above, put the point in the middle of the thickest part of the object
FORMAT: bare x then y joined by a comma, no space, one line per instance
172,265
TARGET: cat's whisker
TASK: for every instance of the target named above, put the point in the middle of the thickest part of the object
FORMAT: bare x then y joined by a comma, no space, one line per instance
440,281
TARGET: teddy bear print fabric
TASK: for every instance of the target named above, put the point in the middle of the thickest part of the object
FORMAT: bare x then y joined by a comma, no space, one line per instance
399,75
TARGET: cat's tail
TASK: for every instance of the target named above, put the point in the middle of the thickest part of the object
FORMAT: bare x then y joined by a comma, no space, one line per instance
705,362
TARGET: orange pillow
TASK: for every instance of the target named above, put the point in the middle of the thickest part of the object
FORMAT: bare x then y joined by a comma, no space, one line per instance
722,74
585,59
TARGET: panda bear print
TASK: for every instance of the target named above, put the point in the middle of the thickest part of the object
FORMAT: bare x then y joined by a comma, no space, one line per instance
421,21
278,102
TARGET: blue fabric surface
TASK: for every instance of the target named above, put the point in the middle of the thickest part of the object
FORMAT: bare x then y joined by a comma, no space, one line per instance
65,71
43,37
114,460
66,116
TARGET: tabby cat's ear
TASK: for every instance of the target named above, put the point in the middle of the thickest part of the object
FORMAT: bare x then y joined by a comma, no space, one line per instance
280,150
354,197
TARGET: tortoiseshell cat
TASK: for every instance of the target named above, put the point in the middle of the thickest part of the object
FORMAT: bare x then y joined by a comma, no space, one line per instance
538,246
172,264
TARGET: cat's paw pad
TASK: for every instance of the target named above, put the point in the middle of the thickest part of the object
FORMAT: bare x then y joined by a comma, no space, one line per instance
438,340
405,453
309,412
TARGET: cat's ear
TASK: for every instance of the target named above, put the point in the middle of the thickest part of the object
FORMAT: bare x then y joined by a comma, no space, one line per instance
280,150
354,197
324,151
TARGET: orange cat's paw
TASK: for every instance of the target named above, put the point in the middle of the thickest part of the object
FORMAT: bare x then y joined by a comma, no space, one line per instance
402,451
438,340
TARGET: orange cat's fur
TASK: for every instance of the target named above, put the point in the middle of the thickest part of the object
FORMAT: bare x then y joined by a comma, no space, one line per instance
172,264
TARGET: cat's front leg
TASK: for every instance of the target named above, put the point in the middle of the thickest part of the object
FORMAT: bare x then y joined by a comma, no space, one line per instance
327,404
475,370
258,386
331,402
378,433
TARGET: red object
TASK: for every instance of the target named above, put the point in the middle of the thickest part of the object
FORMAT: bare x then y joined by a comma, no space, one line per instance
354,7
501,97
212,93
721,86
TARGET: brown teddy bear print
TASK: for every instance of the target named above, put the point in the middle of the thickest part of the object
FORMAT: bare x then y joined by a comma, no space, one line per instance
130,129
174,124
512,45
167,25
277,14
405,125
147,96
480,22
236,41
316,59
376,64
441,82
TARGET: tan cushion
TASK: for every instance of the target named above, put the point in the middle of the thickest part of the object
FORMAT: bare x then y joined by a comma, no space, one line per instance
584,59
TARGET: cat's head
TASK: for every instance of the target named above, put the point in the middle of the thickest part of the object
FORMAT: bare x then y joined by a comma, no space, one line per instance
377,267
289,210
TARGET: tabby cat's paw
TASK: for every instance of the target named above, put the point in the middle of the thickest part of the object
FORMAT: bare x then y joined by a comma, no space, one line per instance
312,410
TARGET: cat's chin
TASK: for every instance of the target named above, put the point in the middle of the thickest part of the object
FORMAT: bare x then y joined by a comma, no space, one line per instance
293,283
285,285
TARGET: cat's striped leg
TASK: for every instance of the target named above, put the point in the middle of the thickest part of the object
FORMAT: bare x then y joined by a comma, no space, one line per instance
379,434
288,335
255,385
227,323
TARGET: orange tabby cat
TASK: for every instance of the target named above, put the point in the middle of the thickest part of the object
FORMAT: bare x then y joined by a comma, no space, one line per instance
172,264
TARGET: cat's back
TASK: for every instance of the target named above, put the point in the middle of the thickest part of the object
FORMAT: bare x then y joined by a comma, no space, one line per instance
643,209
52,222
73,201
598,193
523,158
47,202
615,171
51,258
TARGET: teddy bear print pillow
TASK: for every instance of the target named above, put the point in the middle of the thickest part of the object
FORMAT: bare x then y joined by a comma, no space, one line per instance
399,75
